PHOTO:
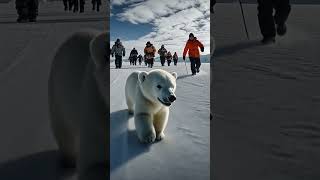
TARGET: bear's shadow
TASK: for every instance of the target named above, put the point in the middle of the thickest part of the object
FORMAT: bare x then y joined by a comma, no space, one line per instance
124,143
38,166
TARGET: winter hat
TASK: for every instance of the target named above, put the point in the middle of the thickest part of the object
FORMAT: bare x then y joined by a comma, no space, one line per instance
148,43
191,35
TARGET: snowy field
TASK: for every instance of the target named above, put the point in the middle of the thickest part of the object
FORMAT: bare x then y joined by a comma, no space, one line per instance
266,99
185,151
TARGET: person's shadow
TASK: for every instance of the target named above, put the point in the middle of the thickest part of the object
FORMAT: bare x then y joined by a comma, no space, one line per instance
184,76
234,48
38,166
124,143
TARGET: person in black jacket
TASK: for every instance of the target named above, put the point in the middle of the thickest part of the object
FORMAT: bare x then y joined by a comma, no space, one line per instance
271,24
27,10
133,56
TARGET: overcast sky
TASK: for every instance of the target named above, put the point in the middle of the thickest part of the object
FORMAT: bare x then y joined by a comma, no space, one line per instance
167,22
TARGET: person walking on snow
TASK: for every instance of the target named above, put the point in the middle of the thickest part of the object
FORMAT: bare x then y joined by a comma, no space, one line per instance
162,53
133,56
192,47
119,51
96,5
27,10
169,58
150,51
77,4
140,59
175,58
269,23
68,5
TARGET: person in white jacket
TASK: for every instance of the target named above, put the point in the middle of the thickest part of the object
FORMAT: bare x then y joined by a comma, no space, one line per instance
118,51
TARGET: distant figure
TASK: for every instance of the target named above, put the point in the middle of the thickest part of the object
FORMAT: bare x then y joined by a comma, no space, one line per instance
133,56
193,46
270,24
169,58
68,4
175,58
162,53
96,3
140,59
150,51
27,10
77,4
119,51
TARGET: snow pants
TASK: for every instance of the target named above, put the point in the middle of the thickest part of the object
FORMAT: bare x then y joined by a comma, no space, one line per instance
195,64
267,20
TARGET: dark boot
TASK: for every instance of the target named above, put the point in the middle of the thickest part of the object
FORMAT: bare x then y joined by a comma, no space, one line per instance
281,29
268,40
282,11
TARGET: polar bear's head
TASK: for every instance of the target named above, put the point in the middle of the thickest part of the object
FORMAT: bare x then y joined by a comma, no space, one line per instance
158,86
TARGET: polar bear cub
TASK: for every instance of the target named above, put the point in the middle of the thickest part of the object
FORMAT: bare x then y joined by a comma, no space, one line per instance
79,102
149,96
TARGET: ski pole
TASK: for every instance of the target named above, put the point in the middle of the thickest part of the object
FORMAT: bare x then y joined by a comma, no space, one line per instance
186,66
244,20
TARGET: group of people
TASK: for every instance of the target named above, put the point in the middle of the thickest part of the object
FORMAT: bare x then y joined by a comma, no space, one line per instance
166,55
27,10
192,48
78,5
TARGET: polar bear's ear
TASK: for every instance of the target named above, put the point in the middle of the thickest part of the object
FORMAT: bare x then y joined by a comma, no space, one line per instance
174,74
142,76
98,50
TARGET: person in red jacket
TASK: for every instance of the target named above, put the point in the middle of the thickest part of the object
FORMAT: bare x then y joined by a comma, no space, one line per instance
192,47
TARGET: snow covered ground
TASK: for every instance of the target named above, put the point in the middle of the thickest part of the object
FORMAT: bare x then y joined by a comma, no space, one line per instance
184,153
266,99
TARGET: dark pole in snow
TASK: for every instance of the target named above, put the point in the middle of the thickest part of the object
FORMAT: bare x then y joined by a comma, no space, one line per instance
244,20
186,66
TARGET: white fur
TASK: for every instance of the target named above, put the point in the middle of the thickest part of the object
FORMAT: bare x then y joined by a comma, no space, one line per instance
79,103
142,93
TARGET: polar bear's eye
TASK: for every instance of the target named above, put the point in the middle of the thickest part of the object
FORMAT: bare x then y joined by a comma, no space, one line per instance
159,87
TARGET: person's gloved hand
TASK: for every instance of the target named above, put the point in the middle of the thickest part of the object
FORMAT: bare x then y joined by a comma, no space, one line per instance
124,54
202,49
184,58
112,55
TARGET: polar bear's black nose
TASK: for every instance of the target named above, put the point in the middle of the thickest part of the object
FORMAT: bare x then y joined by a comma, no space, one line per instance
172,98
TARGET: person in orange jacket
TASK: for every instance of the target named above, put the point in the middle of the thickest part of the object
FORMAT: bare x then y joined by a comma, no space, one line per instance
150,51
192,47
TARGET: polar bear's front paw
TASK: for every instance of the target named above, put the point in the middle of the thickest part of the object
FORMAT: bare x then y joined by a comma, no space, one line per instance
160,136
149,138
